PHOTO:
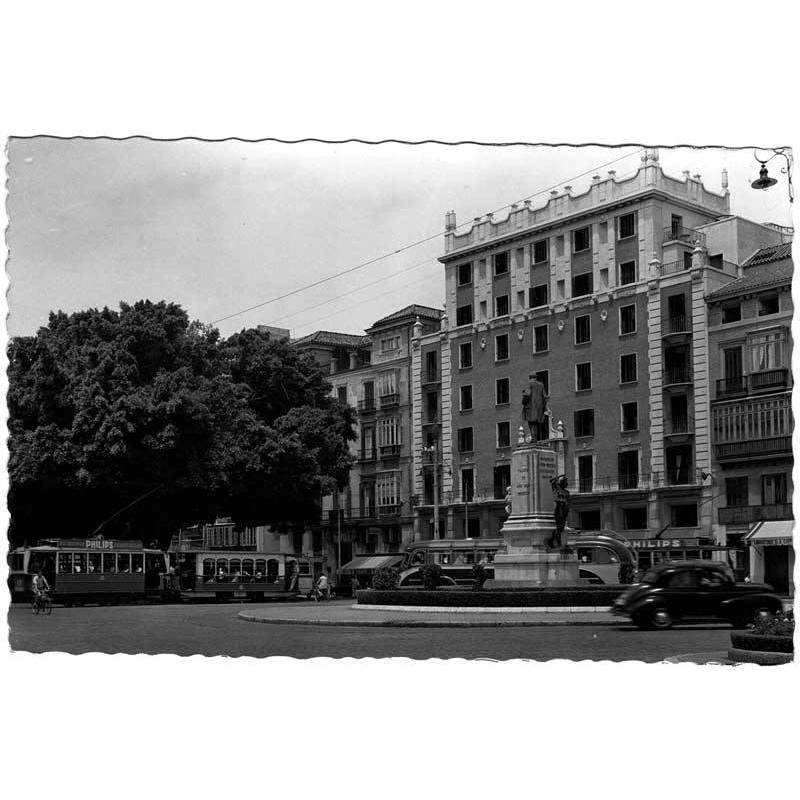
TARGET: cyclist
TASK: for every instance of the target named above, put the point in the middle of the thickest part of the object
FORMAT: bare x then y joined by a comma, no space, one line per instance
322,588
40,588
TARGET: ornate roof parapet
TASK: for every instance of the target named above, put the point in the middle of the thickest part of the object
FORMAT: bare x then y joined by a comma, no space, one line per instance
566,203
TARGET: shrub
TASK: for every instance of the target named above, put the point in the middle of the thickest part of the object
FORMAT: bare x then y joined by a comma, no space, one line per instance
478,576
762,643
431,576
781,624
385,578
536,598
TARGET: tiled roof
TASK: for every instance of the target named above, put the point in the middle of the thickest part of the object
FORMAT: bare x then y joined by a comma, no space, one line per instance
411,311
760,276
333,339
776,252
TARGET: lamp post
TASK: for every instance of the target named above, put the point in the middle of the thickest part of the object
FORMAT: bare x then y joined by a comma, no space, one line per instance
433,452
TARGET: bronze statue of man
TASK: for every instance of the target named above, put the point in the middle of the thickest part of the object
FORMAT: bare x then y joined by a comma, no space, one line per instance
561,494
534,409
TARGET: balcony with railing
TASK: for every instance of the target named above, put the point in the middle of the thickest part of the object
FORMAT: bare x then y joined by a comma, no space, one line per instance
628,480
678,324
430,377
679,426
752,427
367,456
769,379
391,510
674,376
430,420
677,233
673,267
611,483
772,445
746,515
366,406
390,450
391,400
735,386
586,483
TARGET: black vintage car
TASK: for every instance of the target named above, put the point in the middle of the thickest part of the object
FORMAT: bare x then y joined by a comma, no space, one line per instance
694,590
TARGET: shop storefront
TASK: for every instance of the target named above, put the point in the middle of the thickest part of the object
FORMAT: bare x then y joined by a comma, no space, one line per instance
654,551
772,555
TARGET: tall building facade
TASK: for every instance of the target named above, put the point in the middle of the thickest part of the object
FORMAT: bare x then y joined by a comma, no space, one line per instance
372,373
750,347
601,295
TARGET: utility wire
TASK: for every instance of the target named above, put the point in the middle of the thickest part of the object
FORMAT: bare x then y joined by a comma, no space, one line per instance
402,249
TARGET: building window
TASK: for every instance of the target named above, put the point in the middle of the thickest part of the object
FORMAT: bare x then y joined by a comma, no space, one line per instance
731,312
501,305
501,391
467,485
541,341
483,309
502,480
627,273
465,274
628,469
582,284
774,489
766,351
367,443
581,239
465,398
503,434
585,473
431,366
626,225
465,440
465,355
341,394
464,315
540,252
501,264
767,304
684,516
501,347
387,385
627,320
521,300
543,376
583,329
390,343
389,432
736,491
386,489
627,368
583,376
634,519
630,416
537,295
584,422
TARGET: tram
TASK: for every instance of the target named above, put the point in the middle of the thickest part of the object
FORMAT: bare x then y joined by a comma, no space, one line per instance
102,570
601,556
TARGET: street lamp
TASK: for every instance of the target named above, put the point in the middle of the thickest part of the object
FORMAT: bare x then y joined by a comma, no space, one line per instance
764,181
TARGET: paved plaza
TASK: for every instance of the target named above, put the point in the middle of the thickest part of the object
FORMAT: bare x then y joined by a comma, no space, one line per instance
217,630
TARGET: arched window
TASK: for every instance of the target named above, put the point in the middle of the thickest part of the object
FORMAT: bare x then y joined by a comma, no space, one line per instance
261,569
272,570
222,566
236,566
247,567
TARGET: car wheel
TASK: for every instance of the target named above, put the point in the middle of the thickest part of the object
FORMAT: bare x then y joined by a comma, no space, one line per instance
641,622
660,618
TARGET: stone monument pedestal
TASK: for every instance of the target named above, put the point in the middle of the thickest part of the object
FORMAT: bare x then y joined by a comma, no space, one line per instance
528,560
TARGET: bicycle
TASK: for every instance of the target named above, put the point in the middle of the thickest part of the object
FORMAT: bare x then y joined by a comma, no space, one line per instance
42,603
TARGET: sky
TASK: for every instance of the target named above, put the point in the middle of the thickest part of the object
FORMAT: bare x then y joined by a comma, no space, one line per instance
219,227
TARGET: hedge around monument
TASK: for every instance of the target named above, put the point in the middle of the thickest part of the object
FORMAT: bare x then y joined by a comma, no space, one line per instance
589,596
762,643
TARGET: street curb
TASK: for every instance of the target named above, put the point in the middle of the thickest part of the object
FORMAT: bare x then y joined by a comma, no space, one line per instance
402,623
486,609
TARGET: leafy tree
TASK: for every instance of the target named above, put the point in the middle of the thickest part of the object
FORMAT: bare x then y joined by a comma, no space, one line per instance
107,408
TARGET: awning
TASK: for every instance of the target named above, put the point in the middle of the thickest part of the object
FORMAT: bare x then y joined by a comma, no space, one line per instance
371,562
771,533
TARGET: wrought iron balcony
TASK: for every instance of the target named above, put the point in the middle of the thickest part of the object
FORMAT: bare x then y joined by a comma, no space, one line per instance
677,233
431,376
769,379
628,480
671,267
390,450
366,406
678,324
745,515
678,425
389,510
676,375
732,387
753,447
390,400
367,456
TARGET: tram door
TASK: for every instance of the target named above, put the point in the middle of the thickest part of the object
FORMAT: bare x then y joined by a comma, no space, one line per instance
187,570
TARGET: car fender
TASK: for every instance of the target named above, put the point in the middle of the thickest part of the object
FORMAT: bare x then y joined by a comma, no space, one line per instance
644,602
735,604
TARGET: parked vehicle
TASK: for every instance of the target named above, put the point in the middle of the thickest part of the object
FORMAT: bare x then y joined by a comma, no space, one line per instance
694,590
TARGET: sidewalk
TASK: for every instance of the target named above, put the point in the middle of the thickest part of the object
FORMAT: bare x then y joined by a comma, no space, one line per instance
345,613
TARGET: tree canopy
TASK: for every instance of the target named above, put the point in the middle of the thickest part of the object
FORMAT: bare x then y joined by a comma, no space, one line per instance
107,408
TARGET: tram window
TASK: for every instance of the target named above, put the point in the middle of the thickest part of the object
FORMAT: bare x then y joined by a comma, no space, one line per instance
272,569
247,567
222,566
236,566
418,557
95,562
208,569
79,562
137,562
706,555
124,562
16,562
444,558
109,562
64,562
691,554
459,557
469,557
490,556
